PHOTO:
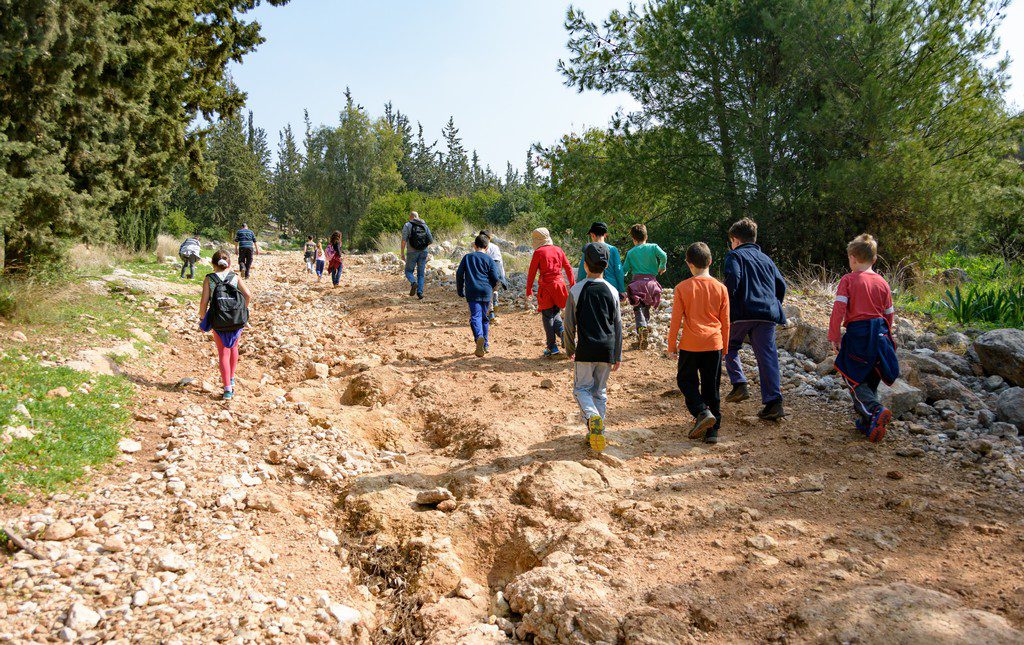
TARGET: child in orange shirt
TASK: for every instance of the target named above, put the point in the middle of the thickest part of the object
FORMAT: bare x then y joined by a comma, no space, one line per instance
704,304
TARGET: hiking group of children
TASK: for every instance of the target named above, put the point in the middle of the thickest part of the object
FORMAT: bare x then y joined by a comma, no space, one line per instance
318,258
710,321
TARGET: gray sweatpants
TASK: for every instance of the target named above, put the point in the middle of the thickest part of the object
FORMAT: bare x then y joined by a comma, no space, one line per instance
590,388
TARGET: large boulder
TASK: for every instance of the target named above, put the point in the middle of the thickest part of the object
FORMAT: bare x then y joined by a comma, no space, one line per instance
899,614
1010,407
566,489
901,397
562,602
1002,352
374,387
805,339
938,388
955,362
923,364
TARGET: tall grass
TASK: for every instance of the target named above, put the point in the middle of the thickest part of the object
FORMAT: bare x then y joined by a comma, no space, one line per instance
992,305
97,259
166,246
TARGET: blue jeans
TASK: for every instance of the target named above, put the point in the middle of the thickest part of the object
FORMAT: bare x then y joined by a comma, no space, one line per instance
590,387
553,327
478,320
416,260
762,339
336,274
319,267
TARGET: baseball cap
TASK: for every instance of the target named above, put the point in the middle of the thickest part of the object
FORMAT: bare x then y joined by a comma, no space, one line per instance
596,255
598,228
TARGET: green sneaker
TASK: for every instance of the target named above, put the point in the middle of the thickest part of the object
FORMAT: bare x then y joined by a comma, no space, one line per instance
595,433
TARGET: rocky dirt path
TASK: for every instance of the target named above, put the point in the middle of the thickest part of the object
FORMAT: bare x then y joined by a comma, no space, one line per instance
291,513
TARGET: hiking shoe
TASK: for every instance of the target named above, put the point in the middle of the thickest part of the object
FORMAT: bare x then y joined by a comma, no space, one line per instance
772,412
595,433
481,349
412,290
419,294
740,392
711,436
704,422
876,428
228,395
549,353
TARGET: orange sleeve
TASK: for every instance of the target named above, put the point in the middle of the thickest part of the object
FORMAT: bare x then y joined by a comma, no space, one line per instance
677,319
723,316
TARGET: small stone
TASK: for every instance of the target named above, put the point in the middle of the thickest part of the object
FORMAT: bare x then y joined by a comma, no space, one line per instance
345,615
167,560
80,618
317,371
58,393
59,531
321,470
894,474
140,598
447,505
87,529
129,445
328,537
761,542
19,337
433,497
547,384
114,544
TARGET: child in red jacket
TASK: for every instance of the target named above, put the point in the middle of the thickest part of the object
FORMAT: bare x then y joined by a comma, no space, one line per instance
550,261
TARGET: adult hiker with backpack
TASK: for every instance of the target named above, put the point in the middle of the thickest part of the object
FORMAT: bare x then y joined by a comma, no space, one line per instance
246,247
225,308
189,253
416,238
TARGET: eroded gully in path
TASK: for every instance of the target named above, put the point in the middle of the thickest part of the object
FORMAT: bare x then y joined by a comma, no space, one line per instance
300,517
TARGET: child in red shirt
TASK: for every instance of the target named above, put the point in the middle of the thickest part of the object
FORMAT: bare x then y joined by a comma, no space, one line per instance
550,261
866,354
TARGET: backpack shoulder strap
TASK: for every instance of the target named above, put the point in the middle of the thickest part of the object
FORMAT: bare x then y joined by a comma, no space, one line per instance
214,280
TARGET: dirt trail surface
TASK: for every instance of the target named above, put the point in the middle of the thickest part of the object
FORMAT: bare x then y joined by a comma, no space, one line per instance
373,481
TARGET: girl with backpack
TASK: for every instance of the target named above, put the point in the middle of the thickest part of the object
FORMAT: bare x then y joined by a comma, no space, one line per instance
225,307
333,253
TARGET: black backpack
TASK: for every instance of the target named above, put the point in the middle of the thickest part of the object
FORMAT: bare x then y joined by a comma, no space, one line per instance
227,305
419,236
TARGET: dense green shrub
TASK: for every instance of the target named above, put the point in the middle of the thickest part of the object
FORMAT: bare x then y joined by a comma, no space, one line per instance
176,223
976,304
388,213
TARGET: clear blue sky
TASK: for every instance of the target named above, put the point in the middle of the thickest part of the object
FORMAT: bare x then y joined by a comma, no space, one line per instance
489,63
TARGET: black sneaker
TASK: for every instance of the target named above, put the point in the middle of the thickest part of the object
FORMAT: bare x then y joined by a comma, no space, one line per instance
740,392
412,290
711,436
704,422
419,294
772,412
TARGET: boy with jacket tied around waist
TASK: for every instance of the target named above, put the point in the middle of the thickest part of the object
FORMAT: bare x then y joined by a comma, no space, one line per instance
866,354
756,290
701,307
593,339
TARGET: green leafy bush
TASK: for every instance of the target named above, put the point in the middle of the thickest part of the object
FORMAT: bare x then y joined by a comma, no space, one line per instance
176,223
388,213
995,306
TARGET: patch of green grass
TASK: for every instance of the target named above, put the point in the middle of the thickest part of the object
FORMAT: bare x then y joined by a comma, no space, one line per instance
73,433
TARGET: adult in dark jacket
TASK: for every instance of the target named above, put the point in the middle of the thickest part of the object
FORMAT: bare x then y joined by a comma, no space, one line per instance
475,280
756,290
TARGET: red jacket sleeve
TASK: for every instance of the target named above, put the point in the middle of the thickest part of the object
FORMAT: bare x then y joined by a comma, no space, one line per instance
531,275
835,322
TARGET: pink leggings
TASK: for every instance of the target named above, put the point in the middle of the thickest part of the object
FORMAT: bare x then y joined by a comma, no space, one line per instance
228,360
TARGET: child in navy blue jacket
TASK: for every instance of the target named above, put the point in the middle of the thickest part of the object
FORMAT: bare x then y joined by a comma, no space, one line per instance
756,289
475,280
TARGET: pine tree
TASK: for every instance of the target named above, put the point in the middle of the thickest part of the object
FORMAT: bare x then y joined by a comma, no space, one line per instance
288,199
455,165
530,174
424,171
511,176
